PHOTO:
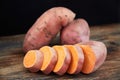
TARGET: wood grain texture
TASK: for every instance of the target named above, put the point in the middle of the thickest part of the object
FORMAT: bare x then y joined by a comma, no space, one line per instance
11,57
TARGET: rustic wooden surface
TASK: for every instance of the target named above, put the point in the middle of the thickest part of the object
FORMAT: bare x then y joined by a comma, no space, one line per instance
11,57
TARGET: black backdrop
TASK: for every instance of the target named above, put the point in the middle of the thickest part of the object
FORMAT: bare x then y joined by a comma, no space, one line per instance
17,16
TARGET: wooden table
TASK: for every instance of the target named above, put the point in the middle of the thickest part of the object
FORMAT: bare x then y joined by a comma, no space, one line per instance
11,57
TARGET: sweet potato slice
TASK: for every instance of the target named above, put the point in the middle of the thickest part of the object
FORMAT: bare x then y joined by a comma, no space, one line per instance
50,59
100,52
64,59
90,59
33,60
77,59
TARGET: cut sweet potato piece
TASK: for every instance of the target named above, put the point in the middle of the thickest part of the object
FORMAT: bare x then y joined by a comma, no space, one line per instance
64,59
50,59
33,60
100,52
90,59
77,59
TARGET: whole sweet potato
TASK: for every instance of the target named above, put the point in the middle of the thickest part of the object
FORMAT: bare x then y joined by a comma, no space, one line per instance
77,31
46,27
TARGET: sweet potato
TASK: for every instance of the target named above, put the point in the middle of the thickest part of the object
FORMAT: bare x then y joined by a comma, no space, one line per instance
50,59
89,59
77,59
77,31
85,57
46,27
33,60
64,59
100,51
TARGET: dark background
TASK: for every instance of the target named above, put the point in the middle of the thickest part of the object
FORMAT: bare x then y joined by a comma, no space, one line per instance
17,16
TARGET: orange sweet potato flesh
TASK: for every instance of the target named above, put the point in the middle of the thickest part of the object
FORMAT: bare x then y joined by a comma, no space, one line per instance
33,60
89,59
64,59
77,59
50,59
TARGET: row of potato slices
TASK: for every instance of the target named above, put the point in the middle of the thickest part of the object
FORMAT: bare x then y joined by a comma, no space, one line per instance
71,59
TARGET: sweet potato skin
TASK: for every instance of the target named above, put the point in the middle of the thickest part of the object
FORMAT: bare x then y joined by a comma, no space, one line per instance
46,27
77,31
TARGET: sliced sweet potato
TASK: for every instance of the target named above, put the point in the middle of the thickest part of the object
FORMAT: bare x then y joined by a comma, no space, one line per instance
64,59
77,59
89,59
100,52
50,59
33,60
